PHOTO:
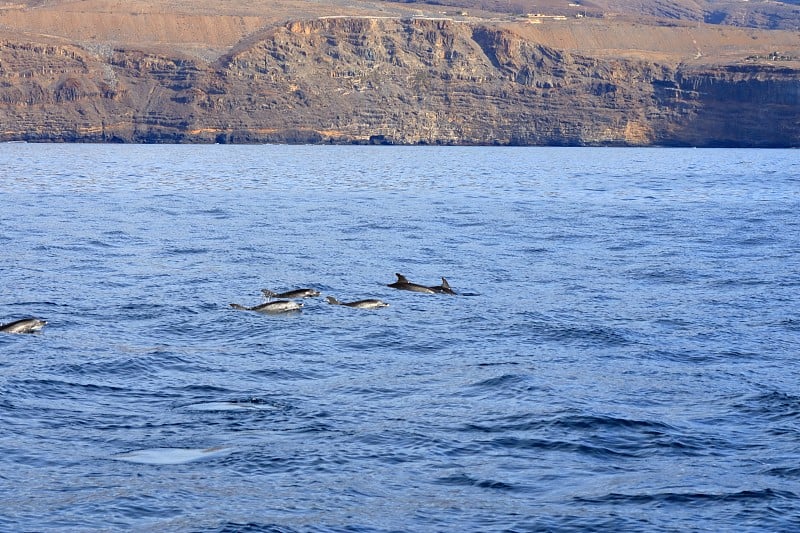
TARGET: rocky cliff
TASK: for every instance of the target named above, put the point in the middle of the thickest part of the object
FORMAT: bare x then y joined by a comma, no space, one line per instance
392,80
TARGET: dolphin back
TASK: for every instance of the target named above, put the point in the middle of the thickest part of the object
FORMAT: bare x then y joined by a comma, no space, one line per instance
25,325
403,284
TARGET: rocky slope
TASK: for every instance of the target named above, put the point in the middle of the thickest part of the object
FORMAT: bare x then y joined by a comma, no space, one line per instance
395,80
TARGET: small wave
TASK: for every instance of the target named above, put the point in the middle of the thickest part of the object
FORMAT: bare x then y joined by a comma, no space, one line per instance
545,445
612,423
689,498
535,250
396,447
142,310
502,381
594,335
95,368
664,275
177,250
217,213
788,472
52,388
572,422
506,385
734,283
498,363
599,436
469,481
791,324
757,240
774,406
253,527
377,393
286,374
205,390
99,244
684,356
33,303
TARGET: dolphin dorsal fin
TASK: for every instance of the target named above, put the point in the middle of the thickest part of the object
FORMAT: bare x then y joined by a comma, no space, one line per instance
401,278
445,284
332,300
268,294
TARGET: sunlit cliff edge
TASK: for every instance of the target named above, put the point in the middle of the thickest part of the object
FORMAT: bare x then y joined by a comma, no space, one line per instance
386,73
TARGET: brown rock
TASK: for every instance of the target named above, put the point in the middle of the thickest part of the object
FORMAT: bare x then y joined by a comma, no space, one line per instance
405,81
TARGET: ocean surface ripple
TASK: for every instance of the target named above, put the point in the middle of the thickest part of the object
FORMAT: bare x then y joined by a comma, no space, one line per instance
622,354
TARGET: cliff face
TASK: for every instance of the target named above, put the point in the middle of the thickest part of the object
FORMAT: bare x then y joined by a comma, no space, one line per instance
390,80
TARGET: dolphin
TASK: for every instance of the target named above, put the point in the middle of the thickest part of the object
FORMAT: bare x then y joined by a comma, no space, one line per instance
297,293
444,288
25,325
361,304
404,285
272,308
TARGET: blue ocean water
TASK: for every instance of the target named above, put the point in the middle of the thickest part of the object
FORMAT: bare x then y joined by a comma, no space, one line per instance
623,353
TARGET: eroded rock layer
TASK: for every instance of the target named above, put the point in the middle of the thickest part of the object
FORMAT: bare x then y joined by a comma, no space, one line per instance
391,80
